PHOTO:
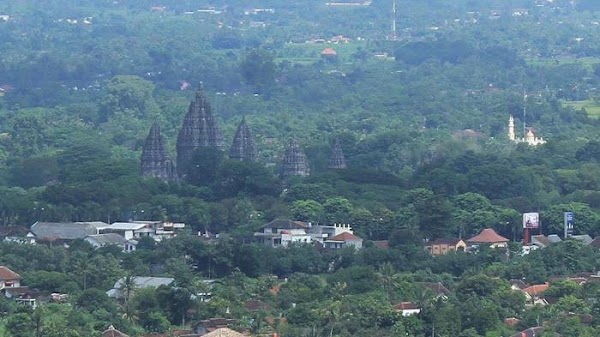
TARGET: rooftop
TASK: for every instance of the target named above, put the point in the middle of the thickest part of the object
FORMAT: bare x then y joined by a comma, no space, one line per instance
126,226
7,274
223,332
536,289
286,224
63,230
487,235
107,239
346,236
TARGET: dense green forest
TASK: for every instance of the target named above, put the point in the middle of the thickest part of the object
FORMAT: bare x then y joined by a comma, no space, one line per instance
422,117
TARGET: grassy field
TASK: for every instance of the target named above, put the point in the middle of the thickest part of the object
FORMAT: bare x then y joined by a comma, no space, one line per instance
588,62
592,108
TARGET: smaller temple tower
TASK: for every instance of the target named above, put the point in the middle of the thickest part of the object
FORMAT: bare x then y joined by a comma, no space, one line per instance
155,161
337,161
295,162
511,129
243,147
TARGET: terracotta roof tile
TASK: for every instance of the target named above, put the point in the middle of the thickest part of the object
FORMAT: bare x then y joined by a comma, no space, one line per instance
536,289
223,332
329,52
256,305
346,237
488,235
406,306
8,275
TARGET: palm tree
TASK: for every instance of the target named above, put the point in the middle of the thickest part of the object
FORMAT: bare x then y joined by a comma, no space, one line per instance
388,278
127,288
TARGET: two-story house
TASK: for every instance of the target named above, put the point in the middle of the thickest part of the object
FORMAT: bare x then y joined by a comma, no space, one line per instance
444,246
8,278
281,232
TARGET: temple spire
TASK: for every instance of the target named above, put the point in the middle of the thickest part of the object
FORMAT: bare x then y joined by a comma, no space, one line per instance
243,147
337,161
199,129
295,162
155,160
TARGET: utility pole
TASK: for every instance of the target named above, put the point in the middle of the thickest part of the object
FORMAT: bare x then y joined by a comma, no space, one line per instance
394,35
524,113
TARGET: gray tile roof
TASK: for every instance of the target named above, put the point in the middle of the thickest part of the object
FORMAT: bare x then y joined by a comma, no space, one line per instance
106,239
140,282
63,230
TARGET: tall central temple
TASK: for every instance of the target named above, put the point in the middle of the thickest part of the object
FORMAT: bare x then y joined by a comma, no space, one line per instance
199,129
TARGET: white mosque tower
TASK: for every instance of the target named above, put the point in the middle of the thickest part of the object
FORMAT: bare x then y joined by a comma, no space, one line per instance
529,138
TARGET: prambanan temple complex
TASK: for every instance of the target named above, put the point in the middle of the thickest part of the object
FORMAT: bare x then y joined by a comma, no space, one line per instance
200,129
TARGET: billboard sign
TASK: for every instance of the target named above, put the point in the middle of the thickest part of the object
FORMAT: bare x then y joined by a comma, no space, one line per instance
569,223
531,220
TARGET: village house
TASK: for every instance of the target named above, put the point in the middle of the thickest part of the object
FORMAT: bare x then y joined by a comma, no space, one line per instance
209,325
141,282
543,241
444,246
534,294
8,278
344,240
488,237
283,232
407,308
133,230
17,234
10,285
64,232
111,239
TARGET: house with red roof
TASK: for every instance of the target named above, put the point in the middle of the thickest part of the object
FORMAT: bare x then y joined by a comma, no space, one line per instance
8,278
534,294
407,308
343,240
489,237
328,52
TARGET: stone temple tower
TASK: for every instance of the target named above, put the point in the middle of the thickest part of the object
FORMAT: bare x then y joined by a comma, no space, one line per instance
199,129
155,161
295,162
243,147
337,161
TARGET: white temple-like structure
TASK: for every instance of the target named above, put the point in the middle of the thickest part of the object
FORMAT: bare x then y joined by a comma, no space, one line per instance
529,138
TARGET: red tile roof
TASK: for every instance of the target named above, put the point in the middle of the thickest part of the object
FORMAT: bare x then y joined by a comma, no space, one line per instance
8,275
536,289
487,235
257,305
346,237
328,52
406,306
382,244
